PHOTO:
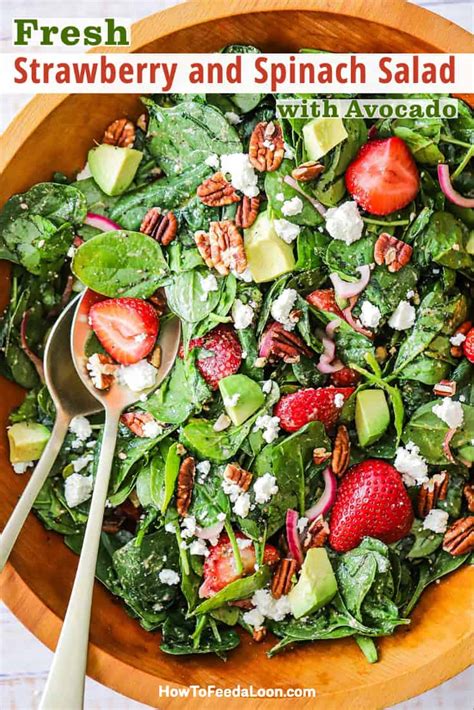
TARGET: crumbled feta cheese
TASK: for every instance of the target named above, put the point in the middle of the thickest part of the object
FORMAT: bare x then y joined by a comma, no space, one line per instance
283,306
231,401
222,422
243,543
403,316
264,488
170,528
77,489
254,618
409,294
82,462
203,467
268,607
242,175
241,506
280,197
212,160
286,230
198,547
301,524
188,526
269,426
221,517
232,117
80,426
292,207
457,339
338,400
450,412
267,386
168,576
436,521
151,430
245,276
21,466
84,173
139,376
411,464
370,315
208,284
242,313
344,222
289,155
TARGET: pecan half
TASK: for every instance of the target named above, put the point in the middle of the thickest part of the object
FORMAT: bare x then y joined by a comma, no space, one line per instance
227,247
204,247
392,252
463,329
185,483
154,358
282,577
459,537
316,534
101,369
431,492
216,191
259,634
120,133
320,455
142,122
445,388
307,171
267,147
158,301
341,452
136,421
247,211
468,491
284,344
242,478
161,226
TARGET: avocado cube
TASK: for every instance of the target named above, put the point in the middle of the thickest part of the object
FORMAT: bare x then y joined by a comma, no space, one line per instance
113,168
27,441
372,416
268,256
316,586
242,397
321,135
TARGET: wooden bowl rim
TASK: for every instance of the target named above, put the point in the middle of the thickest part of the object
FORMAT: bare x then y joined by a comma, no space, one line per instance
34,612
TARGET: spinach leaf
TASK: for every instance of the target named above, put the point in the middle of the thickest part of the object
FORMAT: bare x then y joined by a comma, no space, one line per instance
343,259
242,588
180,638
209,500
120,264
187,298
425,541
38,244
429,571
428,432
386,290
181,394
200,436
352,347
57,203
96,200
276,188
444,241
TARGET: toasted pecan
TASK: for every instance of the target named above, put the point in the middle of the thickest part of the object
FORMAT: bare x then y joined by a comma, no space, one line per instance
284,344
341,452
431,492
282,577
158,301
258,635
224,249
120,133
162,226
459,537
316,534
185,484
203,244
267,147
320,455
242,478
307,171
445,388
135,421
217,191
468,491
154,358
101,369
247,211
392,252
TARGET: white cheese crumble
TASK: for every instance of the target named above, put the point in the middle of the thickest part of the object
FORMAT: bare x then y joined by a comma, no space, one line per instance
301,524
269,426
232,117
457,339
436,521
168,576
370,315
198,547
139,376
243,543
338,400
151,430
266,607
403,316
286,230
203,468
242,175
77,489
212,160
231,401
241,506
82,462
242,314
80,426
344,222
170,528
188,526
450,412
245,276
267,386
283,306
411,464
292,207
264,488
21,466
208,284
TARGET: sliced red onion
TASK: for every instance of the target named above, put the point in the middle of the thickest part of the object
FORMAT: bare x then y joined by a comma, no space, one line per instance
448,189
292,536
332,326
100,222
37,361
294,184
327,498
210,533
265,349
346,289
349,318
329,349
446,445
327,366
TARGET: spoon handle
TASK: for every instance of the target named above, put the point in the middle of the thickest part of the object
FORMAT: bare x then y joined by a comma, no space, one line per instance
65,684
29,495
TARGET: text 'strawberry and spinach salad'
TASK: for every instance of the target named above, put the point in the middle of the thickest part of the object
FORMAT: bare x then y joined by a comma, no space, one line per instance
304,469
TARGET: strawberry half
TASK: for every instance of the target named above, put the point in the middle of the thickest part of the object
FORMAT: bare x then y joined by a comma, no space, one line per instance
383,177
126,327
219,567
220,356
325,300
346,377
309,405
371,500
468,345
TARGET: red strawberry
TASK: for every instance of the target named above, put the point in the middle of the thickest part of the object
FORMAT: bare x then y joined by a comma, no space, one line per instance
126,328
468,345
345,377
309,405
219,567
373,501
383,177
325,300
220,356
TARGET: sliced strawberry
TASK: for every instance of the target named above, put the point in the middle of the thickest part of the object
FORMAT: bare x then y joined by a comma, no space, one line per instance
219,567
345,377
309,405
220,356
126,327
383,177
325,300
468,345
371,500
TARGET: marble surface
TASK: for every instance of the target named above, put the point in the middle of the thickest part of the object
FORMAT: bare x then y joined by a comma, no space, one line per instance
24,661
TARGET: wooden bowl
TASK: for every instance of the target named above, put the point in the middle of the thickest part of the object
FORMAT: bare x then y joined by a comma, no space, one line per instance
54,133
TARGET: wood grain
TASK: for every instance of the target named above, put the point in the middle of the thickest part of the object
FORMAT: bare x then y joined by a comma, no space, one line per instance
55,132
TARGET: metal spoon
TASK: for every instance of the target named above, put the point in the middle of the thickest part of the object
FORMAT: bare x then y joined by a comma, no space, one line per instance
70,399
65,684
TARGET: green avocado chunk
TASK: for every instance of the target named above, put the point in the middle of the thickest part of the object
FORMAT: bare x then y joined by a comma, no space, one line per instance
27,441
316,586
113,168
242,397
321,135
268,256
372,416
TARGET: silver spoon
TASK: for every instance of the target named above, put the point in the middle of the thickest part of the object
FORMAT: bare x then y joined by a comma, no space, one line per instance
65,684
70,399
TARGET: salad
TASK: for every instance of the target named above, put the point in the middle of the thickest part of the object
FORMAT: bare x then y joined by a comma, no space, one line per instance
303,472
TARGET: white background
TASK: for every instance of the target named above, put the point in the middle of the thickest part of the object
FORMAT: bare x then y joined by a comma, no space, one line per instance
24,661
